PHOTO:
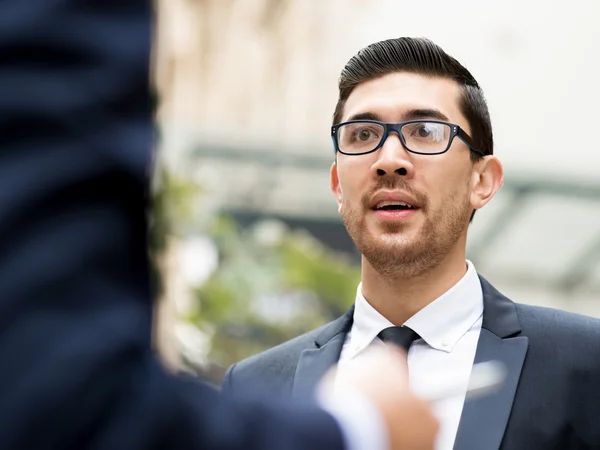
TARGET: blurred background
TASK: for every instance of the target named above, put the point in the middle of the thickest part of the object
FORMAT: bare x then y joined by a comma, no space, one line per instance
246,236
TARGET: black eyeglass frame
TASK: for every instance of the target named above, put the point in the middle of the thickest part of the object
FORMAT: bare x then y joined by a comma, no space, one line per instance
456,131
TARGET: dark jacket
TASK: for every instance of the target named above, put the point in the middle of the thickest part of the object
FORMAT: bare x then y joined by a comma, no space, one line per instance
550,399
77,370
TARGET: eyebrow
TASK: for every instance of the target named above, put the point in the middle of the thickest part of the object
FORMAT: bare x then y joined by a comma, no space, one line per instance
413,114
365,116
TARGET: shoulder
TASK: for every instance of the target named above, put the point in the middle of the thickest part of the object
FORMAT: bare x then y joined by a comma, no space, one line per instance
280,361
558,323
540,323
283,354
277,365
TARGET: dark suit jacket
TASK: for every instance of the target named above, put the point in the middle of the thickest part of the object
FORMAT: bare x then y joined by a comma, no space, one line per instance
76,366
550,399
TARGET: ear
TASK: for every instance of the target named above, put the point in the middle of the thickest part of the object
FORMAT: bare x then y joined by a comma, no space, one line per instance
334,183
487,179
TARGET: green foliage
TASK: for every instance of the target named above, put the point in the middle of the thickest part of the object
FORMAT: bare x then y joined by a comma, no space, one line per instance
271,283
312,267
264,293
173,201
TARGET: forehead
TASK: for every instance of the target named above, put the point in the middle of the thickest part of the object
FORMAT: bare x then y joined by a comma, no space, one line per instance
393,95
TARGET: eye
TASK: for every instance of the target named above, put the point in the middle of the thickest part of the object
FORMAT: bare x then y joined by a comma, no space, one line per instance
365,134
424,131
428,131
362,134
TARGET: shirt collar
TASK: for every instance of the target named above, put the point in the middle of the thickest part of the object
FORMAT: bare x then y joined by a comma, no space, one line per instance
441,323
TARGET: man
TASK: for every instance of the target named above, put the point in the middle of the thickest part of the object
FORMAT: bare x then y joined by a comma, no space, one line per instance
77,370
414,161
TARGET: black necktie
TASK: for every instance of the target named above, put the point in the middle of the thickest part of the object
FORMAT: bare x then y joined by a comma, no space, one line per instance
403,337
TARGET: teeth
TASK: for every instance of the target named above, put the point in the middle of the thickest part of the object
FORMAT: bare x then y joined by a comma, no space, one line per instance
383,204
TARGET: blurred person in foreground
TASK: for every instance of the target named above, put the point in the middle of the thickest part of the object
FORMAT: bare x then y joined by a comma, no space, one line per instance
414,161
76,366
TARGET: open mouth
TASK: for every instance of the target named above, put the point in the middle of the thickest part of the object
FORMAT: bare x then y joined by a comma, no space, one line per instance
393,206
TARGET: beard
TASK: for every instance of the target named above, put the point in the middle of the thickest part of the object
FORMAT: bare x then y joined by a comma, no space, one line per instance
394,251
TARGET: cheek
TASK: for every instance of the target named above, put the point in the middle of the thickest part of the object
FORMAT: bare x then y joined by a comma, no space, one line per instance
354,179
445,184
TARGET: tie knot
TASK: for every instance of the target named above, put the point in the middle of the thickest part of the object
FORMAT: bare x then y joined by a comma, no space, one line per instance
403,337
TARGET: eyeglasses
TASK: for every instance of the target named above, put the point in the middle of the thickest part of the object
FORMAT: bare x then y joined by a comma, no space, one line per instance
423,137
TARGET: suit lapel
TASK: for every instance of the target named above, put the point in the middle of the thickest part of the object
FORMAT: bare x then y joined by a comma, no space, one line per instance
314,362
483,420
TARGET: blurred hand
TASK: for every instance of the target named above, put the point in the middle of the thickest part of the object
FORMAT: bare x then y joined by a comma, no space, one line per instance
382,377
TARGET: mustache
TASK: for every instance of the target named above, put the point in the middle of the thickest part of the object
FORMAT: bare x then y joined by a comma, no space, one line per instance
394,184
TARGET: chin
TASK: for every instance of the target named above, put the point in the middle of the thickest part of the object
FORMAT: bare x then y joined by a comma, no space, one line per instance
397,238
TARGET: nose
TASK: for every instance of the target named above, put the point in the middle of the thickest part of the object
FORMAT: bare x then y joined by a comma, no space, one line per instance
393,159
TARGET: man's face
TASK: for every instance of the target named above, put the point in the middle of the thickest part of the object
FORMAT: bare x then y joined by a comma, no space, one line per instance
405,242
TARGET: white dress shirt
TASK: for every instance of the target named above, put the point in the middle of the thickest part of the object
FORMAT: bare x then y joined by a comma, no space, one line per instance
449,328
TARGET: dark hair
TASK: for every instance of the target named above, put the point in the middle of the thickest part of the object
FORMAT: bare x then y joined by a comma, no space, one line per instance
420,56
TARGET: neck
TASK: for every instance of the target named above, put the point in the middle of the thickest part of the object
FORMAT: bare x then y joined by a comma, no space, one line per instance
398,299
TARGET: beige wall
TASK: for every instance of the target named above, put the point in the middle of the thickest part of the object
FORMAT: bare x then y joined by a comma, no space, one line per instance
263,68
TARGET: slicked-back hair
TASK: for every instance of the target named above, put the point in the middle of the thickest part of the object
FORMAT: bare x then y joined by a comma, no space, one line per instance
423,57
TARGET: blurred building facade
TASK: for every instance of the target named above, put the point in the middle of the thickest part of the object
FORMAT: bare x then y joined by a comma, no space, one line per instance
247,89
